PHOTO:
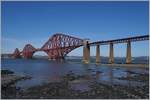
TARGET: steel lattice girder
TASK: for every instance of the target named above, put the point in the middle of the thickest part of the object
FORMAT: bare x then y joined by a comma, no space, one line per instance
59,45
16,53
28,51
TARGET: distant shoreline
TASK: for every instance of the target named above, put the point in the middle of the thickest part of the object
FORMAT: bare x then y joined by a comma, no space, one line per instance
128,65
120,65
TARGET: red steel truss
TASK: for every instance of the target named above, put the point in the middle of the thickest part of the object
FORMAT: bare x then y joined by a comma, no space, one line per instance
57,47
28,51
16,53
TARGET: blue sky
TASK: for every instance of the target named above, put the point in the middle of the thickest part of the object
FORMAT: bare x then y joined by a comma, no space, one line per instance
34,22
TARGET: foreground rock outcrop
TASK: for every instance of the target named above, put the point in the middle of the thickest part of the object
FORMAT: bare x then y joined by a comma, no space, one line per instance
63,89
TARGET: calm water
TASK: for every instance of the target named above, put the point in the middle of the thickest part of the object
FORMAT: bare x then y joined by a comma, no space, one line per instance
43,71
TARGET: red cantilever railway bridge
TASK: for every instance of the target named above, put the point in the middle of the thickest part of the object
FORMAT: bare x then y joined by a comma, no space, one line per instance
59,45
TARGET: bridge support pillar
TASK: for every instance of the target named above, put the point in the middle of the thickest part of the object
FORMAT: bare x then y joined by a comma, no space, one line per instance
97,53
28,55
128,55
86,52
111,53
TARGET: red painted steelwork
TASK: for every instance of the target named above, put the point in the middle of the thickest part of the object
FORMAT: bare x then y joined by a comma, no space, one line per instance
28,51
59,45
16,53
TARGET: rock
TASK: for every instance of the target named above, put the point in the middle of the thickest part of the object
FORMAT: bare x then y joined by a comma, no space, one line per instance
41,97
89,69
11,78
18,88
5,72
62,89
98,72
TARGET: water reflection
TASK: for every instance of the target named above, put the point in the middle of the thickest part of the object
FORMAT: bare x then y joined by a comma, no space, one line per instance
128,76
87,71
110,74
43,71
97,75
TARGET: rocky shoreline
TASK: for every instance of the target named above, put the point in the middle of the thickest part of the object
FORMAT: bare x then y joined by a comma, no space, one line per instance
63,90
98,90
8,80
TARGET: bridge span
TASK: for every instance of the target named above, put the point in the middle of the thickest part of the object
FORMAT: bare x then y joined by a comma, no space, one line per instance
59,45
122,40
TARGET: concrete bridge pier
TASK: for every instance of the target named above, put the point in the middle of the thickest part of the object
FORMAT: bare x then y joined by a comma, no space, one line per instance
111,54
86,52
128,55
97,53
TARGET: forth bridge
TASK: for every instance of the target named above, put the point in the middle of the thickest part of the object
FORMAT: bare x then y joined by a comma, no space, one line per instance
59,45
